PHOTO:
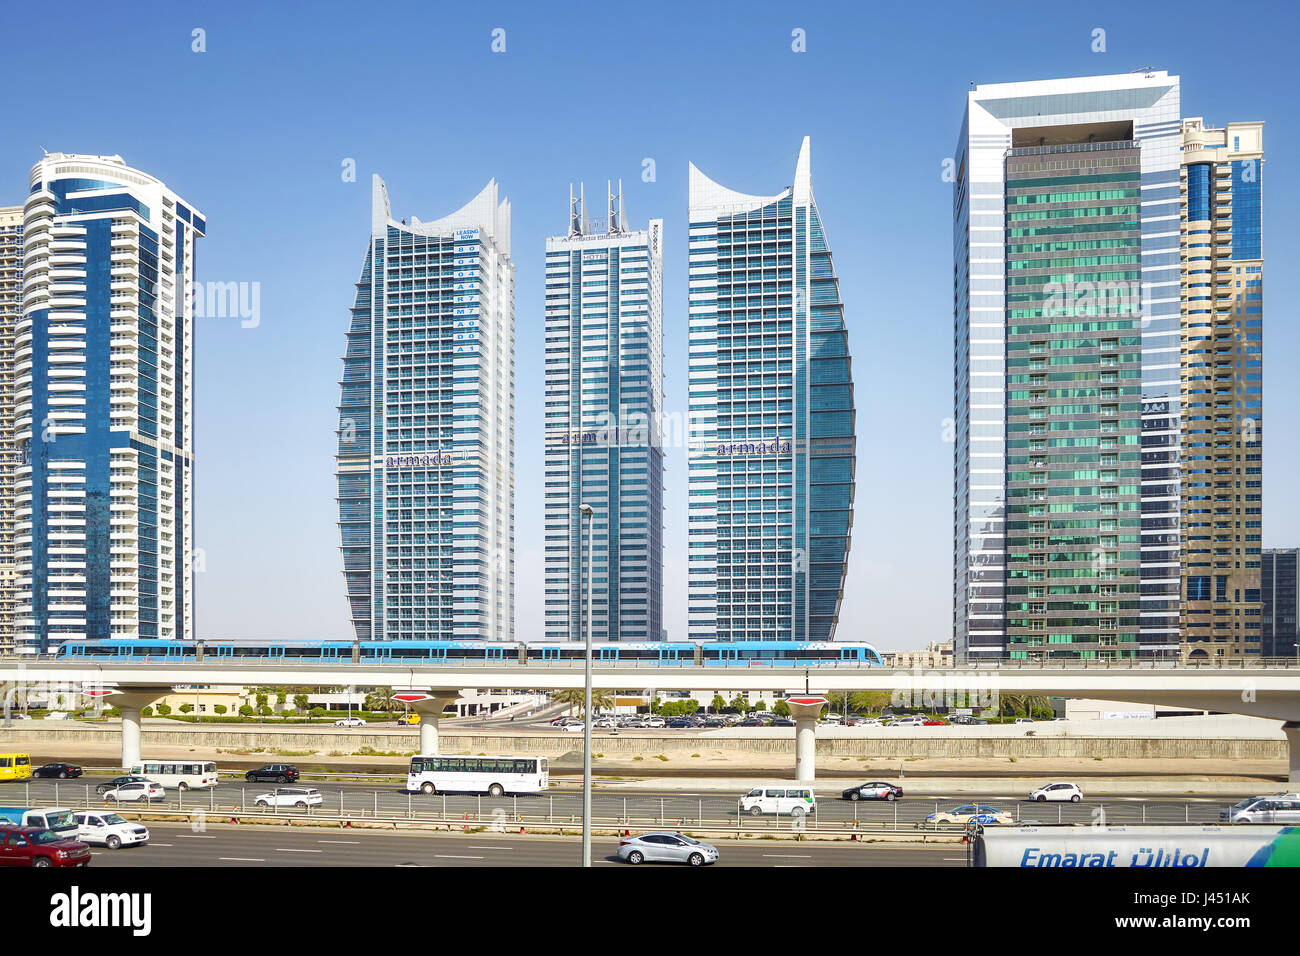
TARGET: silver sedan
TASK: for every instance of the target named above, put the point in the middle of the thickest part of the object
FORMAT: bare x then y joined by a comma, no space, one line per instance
666,847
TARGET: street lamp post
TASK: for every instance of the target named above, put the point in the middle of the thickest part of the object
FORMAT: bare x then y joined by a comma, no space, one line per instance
588,512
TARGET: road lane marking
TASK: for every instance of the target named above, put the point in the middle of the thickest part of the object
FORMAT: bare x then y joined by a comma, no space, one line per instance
507,848
194,836
281,849
348,842
242,859
789,856
449,856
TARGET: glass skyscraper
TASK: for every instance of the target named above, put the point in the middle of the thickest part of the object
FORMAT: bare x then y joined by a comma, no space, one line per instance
604,400
772,447
104,416
11,307
1065,290
426,427
1106,300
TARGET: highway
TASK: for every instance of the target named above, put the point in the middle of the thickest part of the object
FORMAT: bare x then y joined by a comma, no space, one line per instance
642,807
279,846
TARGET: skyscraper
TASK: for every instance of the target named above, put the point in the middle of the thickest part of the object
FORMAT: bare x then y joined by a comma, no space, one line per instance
1067,337
1222,434
1108,386
772,447
104,503
426,427
1279,586
604,399
11,307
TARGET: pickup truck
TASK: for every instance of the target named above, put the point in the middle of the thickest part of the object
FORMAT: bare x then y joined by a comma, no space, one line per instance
58,819
37,846
110,829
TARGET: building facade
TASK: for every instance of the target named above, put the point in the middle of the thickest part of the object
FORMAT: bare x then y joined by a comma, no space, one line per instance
1222,426
1278,581
104,416
771,446
426,427
604,405
11,305
1066,373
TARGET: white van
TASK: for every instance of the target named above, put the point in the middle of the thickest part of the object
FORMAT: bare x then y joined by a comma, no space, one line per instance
787,799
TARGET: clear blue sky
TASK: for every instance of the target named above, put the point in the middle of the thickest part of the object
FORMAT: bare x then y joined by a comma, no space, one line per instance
253,132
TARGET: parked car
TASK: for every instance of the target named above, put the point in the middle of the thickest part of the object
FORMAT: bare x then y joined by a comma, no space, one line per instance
655,722
574,728
109,829
60,770
135,792
876,790
750,722
679,723
782,722
35,846
912,720
1279,808
971,811
349,722
784,799
934,722
300,797
119,781
666,847
711,722
1057,792
1024,720
273,773
863,722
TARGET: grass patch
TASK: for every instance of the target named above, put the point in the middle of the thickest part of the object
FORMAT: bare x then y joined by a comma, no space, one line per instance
638,758
1012,759
694,755
661,757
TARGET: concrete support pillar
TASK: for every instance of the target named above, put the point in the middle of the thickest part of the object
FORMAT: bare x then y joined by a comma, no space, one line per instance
129,702
1292,730
805,711
429,705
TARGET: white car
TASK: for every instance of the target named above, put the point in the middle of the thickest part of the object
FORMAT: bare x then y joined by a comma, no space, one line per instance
349,722
655,722
1057,791
573,728
109,829
1024,720
135,792
300,797
911,721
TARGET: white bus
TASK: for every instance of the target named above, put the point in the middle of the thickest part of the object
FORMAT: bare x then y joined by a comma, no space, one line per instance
494,776
178,774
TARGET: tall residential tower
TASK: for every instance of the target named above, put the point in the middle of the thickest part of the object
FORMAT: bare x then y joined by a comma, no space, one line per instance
772,447
104,416
604,402
11,307
1222,442
426,427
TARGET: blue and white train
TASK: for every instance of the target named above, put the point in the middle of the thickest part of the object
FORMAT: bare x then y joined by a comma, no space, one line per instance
705,653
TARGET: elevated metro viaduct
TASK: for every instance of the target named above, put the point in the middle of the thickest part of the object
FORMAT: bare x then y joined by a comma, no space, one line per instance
1258,690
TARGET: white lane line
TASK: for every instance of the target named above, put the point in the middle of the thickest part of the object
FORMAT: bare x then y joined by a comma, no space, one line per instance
348,842
194,836
242,859
281,849
505,848
159,844
449,856
789,856
954,859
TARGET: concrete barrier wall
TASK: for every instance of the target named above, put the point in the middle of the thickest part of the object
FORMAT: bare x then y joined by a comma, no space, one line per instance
158,741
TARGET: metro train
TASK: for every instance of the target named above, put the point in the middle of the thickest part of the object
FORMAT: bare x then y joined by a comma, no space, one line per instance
705,653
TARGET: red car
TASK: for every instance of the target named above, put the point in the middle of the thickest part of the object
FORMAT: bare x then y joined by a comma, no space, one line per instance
935,722
36,846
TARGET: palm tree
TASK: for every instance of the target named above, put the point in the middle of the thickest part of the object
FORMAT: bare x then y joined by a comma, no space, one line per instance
575,698
380,701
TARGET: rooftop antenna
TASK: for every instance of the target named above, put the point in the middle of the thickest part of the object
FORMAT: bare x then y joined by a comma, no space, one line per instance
615,207
575,213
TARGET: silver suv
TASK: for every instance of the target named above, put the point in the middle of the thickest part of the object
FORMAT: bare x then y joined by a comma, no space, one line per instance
1279,808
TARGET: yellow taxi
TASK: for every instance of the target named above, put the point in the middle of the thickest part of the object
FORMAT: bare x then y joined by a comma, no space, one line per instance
15,767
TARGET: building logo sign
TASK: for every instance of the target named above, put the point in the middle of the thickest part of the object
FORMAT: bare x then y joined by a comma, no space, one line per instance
777,446
437,459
